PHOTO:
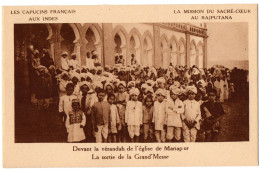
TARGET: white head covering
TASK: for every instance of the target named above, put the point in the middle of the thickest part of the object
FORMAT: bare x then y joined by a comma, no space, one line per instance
161,79
134,91
122,83
97,84
149,89
175,91
131,83
64,53
84,83
161,91
109,84
192,89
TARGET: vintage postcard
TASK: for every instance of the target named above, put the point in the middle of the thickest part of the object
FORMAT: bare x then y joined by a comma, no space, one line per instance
120,86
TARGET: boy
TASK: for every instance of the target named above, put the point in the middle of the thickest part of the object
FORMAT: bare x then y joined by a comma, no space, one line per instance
86,102
191,116
134,115
212,113
65,104
174,110
159,115
75,123
101,113
114,118
147,118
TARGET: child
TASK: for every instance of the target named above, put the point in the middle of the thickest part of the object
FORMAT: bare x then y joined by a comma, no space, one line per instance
65,104
75,80
191,116
174,110
75,123
159,115
212,113
121,99
114,118
101,113
147,118
134,115
73,63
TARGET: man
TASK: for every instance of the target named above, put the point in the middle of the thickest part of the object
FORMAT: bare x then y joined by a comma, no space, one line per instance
89,61
64,61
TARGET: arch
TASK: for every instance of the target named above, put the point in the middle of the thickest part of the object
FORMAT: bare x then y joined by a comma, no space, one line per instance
200,55
174,51
135,35
193,53
76,32
97,30
164,51
147,50
147,35
120,30
182,51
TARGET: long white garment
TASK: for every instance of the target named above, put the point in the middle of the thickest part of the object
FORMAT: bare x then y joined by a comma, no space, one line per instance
134,113
62,87
192,112
89,63
114,118
64,63
74,63
159,115
174,110
221,85
75,132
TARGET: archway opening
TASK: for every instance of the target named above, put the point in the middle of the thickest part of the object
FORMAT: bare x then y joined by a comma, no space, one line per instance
67,33
192,54
148,52
120,48
182,53
164,53
174,54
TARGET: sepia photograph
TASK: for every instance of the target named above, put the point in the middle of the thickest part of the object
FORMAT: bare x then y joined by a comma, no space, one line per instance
161,82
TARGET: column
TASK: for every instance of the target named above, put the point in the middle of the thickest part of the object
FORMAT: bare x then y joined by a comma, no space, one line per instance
157,46
187,49
108,44
77,51
205,52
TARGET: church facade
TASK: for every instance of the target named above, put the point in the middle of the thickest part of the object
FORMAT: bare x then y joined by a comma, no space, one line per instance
153,44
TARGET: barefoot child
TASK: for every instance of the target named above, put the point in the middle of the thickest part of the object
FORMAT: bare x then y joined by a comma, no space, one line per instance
114,118
75,122
134,115
147,118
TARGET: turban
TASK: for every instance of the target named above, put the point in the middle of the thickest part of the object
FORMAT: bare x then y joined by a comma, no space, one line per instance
191,89
97,84
175,91
84,83
64,73
134,91
109,84
145,86
64,53
161,91
131,83
75,75
122,83
150,83
73,54
88,74
149,89
160,80
52,67
176,84
75,100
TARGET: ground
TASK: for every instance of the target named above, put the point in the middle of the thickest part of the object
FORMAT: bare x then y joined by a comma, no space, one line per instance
45,127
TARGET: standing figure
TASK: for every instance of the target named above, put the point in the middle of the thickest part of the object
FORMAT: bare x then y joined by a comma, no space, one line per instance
75,123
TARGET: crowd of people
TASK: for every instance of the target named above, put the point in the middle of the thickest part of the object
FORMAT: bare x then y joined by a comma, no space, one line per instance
132,103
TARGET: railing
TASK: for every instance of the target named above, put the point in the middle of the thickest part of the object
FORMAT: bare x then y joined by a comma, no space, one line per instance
185,27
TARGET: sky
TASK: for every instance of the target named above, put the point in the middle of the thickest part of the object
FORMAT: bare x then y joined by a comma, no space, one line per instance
227,41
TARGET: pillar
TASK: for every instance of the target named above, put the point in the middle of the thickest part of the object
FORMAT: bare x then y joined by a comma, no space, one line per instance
187,49
205,52
108,44
157,44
